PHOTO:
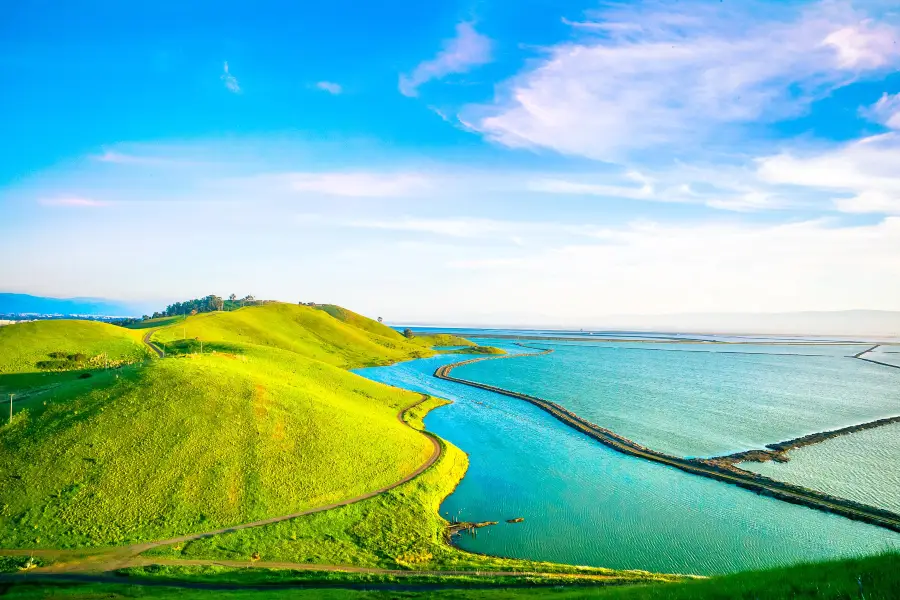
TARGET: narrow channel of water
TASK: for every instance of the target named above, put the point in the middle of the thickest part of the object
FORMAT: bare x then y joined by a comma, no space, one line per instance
586,504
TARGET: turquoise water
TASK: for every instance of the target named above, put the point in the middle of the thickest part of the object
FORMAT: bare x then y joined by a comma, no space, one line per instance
863,466
586,504
706,400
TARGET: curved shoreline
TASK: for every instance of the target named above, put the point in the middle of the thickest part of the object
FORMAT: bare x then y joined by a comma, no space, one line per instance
726,473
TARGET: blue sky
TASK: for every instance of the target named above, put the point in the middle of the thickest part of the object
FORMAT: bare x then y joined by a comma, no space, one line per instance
530,162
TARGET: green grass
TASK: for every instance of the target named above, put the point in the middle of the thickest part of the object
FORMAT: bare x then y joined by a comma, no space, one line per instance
872,578
248,430
301,330
24,345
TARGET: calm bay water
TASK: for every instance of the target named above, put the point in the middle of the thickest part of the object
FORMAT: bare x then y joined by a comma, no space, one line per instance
586,504
701,399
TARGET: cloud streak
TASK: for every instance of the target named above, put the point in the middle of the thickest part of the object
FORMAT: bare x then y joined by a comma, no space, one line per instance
72,202
231,82
329,86
468,49
359,184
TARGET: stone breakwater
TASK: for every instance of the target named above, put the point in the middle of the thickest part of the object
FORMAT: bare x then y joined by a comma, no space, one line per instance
710,468
779,451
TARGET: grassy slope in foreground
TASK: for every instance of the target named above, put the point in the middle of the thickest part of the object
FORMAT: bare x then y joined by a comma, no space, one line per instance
872,578
191,443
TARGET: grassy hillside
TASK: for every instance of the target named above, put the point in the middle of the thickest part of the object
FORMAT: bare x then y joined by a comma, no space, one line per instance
302,330
441,340
262,424
187,444
24,346
360,322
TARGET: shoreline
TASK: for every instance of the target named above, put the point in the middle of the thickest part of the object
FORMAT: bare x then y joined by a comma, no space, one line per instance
726,473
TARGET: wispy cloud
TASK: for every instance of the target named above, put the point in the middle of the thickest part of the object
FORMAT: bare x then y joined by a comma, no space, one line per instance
676,76
72,202
231,82
330,87
359,184
886,111
452,227
468,49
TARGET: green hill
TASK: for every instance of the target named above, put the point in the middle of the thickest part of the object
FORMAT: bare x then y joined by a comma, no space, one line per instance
372,326
441,340
264,423
52,343
302,330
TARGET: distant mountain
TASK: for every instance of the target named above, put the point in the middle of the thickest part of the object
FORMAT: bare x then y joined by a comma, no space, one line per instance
27,304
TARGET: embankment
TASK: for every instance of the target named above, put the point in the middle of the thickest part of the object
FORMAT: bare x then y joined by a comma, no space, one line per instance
778,452
727,473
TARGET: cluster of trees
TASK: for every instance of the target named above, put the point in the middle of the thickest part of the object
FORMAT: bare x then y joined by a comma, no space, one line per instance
211,303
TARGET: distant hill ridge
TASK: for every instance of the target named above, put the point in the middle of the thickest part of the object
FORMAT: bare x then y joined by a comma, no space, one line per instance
42,305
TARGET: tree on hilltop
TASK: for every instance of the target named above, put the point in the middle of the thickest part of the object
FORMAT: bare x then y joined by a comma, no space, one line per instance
408,333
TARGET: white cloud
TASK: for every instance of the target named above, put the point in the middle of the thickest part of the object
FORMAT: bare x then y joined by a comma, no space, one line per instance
654,76
230,80
330,87
866,171
886,111
468,49
866,45
72,202
359,184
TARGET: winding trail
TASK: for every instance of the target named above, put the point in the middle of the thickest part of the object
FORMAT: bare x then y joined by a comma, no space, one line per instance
111,559
720,471
152,345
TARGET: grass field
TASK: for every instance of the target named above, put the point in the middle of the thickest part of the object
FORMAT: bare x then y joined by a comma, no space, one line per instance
872,578
259,428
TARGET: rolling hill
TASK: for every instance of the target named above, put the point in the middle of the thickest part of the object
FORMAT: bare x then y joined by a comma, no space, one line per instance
265,422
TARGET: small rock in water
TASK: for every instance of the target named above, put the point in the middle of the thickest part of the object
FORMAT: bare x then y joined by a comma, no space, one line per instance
516,520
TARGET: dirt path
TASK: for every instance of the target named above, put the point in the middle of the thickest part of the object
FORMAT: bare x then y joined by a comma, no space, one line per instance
156,349
111,559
